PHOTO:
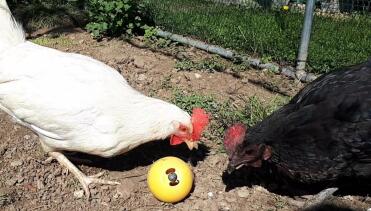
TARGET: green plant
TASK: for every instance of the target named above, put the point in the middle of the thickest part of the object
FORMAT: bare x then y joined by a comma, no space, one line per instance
210,65
114,17
152,40
275,35
255,110
185,65
190,101
238,67
36,14
166,82
149,32
162,43
52,42
224,114
266,59
280,204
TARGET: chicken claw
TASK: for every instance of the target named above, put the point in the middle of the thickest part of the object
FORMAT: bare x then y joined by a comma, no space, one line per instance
319,198
83,179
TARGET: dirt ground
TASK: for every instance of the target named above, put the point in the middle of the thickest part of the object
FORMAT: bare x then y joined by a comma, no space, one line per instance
29,183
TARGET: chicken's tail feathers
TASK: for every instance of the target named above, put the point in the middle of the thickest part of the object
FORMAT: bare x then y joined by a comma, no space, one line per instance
11,32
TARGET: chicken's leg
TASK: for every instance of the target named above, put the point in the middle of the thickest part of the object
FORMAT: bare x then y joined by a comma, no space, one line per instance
84,180
319,198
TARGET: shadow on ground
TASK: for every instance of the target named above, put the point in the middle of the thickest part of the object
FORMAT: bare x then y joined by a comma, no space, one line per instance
143,155
279,184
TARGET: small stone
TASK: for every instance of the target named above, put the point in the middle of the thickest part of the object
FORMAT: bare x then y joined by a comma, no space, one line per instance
254,62
27,137
57,172
215,160
111,63
6,197
105,187
9,153
39,184
288,71
197,205
78,194
300,74
106,199
348,197
269,66
139,63
296,202
93,191
2,150
104,203
11,182
142,77
243,193
197,76
45,197
20,179
230,199
223,206
310,77
16,163
126,189
210,195
65,172
260,189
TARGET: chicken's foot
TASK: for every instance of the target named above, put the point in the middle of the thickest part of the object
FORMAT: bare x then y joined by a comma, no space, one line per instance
83,179
320,197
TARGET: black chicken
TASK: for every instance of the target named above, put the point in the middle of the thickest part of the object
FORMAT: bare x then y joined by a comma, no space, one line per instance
323,135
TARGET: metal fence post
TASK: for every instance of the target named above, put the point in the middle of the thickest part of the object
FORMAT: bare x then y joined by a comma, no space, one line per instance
305,35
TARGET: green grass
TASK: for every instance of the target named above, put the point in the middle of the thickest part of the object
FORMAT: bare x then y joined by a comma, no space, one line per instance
272,34
51,42
210,65
48,14
224,114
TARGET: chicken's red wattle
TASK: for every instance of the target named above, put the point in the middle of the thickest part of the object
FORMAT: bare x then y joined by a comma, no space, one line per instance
200,119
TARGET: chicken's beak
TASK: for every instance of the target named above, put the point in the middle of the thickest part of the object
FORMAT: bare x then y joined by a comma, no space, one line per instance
230,168
191,144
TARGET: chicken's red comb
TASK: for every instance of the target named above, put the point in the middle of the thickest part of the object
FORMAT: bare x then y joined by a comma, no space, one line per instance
200,119
234,136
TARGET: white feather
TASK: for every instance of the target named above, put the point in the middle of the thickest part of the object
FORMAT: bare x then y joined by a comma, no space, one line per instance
77,103
11,32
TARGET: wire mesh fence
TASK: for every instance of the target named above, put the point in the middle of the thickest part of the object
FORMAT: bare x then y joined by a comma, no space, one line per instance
327,6
268,30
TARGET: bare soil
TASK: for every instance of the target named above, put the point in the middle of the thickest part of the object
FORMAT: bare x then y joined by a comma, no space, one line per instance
29,183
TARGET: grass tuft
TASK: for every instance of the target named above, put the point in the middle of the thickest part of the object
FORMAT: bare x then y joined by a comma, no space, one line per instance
273,35
61,41
224,114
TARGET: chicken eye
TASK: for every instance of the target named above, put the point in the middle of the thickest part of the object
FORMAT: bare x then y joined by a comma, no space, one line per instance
183,129
250,151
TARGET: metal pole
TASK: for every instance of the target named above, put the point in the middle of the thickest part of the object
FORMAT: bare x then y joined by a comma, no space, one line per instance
305,35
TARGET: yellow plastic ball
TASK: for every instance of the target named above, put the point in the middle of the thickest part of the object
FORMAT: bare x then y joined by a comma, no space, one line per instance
170,179
285,7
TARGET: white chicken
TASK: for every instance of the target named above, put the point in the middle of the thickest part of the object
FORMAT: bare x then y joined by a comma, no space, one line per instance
76,103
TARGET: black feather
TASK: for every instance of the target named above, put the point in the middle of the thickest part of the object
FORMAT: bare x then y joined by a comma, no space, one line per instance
324,133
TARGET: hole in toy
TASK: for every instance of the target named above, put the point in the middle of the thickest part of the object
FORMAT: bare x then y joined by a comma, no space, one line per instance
170,170
174,183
